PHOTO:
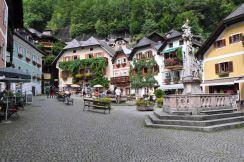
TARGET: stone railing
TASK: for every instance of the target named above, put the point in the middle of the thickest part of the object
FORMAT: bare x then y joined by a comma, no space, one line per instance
197,102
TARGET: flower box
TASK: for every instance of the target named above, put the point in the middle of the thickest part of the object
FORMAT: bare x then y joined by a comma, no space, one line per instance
123,64
117,65
38,65
166,81
144,105
176,80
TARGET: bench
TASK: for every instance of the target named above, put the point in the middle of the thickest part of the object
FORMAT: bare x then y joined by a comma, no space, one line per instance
90,103
101,106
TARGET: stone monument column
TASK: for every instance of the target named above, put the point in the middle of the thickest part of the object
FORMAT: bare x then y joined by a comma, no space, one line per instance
191,79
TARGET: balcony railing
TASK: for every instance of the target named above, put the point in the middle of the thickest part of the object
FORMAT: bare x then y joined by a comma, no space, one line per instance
120,80
172,81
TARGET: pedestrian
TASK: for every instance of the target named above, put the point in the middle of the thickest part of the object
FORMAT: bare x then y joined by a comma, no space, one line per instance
117,95
47,91
52,92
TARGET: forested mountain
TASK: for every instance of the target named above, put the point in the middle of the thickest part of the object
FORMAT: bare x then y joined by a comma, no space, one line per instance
135,17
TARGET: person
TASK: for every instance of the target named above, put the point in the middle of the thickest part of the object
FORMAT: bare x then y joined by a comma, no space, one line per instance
47,91
51,92
117,95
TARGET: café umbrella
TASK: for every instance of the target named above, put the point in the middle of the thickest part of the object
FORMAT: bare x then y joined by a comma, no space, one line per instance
97,86
75,85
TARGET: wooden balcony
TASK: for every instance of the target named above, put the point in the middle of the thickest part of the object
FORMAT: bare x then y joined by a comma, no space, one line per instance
121,81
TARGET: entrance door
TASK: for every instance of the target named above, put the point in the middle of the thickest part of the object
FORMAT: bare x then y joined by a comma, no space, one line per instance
34,91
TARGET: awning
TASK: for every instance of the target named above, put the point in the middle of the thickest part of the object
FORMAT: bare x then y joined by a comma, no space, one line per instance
240,80
14,73
15,80
169,50
218,82
173,86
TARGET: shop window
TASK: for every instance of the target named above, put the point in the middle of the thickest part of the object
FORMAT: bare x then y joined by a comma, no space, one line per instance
220,43
235,38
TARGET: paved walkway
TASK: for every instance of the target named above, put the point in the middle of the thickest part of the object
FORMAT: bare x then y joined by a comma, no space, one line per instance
52,131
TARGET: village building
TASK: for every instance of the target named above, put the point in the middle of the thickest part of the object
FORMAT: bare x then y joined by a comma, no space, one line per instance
172,52
146,65
27,58
223,57
3,32
121,70
91,48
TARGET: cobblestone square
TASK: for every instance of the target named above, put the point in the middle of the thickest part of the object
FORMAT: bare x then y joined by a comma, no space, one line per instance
49,130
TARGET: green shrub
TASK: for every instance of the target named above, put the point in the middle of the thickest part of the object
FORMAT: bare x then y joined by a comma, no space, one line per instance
159,102
105,100
159,93
142,102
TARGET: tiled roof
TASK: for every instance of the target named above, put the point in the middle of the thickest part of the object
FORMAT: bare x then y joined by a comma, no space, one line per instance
73,44
172,34
90,42
237,12
143,42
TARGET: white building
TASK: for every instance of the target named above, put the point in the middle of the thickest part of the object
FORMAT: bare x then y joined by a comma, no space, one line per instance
172,54
146,50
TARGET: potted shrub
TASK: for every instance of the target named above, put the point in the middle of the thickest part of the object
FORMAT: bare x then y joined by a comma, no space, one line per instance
144,105
159,102
159,93
176,80
104,100
166,81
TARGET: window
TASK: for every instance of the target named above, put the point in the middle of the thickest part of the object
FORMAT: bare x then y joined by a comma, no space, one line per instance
124,60
75,57
91,49
181,42
224,67
20,50
235,38
146,90
219,43
124,73
170,45
118,61
90,55
167,75
74,51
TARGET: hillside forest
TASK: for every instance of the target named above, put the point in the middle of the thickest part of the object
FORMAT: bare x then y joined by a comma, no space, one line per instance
133,17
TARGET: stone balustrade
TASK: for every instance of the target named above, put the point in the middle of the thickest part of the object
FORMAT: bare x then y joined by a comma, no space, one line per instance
195,103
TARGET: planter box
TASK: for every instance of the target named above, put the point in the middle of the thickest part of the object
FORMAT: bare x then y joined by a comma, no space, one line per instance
27,59
20,55
145,108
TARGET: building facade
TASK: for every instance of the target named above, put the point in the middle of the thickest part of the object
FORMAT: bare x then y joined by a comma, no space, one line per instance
91,48
223,57
146,67
28,58
3,32
121,70
172,52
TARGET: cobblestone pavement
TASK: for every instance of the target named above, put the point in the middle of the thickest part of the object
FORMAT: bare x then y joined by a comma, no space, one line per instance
52,131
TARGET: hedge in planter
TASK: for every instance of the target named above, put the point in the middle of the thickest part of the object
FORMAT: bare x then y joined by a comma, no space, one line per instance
144,105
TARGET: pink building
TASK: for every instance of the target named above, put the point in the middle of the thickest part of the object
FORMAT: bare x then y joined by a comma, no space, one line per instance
3,32
121,70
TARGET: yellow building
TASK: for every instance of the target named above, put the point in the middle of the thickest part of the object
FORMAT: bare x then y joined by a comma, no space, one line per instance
223,56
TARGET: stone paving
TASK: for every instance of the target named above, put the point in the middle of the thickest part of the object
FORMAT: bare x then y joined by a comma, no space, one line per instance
51,131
